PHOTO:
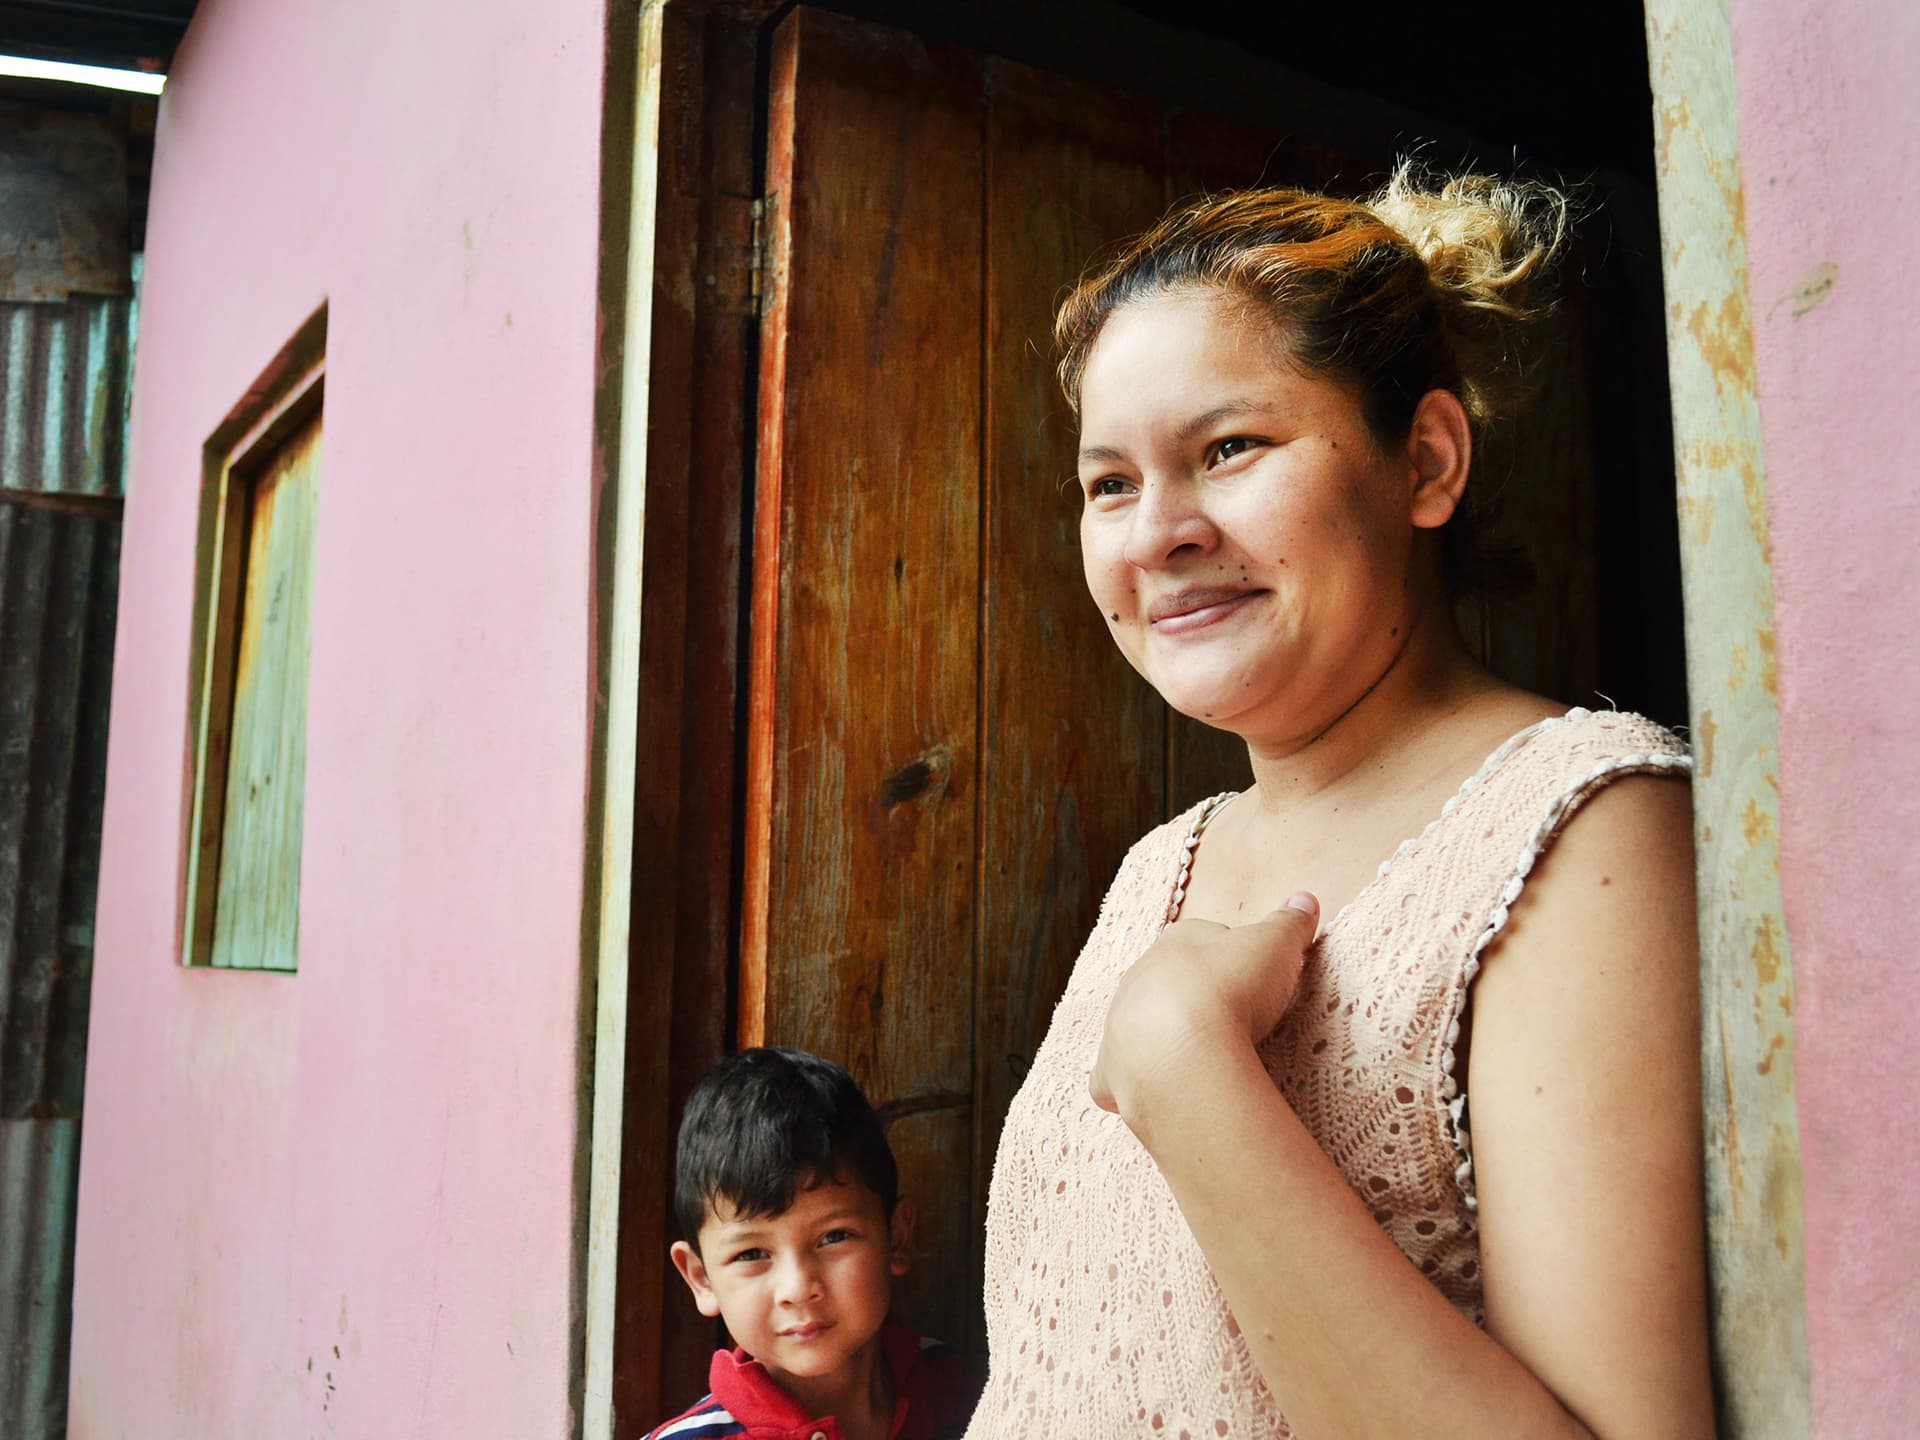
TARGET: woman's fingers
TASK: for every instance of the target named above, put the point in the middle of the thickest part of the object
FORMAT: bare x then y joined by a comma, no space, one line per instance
1276,945
1201,979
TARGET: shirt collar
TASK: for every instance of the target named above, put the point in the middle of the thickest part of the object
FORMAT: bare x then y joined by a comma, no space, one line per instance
753,1397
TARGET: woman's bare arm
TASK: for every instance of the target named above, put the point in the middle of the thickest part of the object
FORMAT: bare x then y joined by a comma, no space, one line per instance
1584,1087
1585,1110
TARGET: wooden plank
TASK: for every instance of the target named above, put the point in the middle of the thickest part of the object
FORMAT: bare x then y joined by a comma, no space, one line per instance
1071,769
222,559
257,915
726,319
652,997
858,924
629,203
686,772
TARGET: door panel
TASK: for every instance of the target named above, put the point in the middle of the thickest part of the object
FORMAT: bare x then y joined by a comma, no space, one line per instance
946,756
858,934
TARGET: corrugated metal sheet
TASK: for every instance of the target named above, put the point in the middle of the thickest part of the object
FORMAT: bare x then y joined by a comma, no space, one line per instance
58,578
64,372
63,204
64,376
39,1161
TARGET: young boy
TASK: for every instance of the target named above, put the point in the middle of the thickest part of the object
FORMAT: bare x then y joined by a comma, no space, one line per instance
786,1195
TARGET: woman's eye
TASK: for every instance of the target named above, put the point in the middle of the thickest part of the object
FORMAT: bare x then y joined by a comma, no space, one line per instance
1105,486
1231,447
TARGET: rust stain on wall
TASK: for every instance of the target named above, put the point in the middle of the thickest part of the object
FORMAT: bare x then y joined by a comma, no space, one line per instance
1724,340
1753,1161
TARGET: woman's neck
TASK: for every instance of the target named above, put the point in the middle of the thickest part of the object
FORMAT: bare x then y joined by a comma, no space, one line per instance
1430,674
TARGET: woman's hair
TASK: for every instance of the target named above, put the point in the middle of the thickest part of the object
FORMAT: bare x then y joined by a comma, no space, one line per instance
1425,285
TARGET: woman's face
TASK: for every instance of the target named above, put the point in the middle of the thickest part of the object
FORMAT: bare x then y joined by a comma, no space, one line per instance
1248,540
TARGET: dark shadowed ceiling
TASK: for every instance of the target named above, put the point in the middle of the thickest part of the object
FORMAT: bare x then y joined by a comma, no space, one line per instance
126,34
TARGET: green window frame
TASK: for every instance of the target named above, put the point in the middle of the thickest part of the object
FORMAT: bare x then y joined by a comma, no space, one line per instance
252,621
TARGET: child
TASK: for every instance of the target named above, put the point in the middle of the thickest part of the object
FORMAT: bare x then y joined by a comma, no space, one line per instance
785,1194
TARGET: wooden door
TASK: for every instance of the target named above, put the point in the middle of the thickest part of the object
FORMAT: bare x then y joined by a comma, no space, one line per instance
946,756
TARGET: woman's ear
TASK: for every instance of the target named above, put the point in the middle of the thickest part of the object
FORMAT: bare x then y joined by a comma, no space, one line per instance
693,1270
1440,449
900,1235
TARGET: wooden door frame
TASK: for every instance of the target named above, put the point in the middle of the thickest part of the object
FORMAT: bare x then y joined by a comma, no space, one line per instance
676,294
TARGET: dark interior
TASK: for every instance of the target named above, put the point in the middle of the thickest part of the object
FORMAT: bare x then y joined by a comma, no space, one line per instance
1512,87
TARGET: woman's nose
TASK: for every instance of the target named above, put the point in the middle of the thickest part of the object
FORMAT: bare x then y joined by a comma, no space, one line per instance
1165,520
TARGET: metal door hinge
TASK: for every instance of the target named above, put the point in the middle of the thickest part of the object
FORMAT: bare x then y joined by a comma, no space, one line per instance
735,255
757,254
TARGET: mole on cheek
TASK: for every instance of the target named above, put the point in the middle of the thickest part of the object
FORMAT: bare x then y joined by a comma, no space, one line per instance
1115,617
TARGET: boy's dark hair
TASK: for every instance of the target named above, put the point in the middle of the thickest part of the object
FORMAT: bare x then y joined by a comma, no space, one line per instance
767,1122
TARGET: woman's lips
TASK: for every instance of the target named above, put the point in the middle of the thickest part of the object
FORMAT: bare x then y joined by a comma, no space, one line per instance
1194,609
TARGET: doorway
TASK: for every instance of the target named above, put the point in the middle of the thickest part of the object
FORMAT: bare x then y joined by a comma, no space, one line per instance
885,703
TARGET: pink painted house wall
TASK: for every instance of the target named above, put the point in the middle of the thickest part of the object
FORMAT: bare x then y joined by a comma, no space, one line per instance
345,1201
1829,112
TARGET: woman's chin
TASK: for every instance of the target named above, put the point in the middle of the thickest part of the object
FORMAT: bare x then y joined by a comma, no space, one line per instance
1207,703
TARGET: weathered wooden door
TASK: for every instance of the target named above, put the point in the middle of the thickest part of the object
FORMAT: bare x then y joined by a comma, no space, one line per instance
946,756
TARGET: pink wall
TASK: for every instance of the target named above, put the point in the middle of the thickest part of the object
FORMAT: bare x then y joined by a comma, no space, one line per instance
1829,109
345,1202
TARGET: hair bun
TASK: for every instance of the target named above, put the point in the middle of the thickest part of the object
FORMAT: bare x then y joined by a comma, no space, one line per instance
1490,247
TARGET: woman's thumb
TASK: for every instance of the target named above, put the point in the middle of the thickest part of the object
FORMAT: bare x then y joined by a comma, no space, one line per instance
1301,911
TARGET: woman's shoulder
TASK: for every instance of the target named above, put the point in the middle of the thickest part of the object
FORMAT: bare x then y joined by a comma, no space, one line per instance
1514,807
1575,749
1525,799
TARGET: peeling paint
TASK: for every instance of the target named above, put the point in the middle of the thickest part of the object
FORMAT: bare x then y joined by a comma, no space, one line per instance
1753,1161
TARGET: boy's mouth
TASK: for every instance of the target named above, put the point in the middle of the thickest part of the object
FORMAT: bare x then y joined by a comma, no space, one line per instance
812,1330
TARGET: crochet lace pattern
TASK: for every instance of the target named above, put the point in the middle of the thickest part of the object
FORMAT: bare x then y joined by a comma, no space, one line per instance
1103,1319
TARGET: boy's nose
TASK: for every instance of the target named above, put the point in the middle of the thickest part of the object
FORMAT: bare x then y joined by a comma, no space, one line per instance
796,1281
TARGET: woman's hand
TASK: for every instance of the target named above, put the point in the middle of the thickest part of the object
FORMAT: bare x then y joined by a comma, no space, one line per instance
1198,984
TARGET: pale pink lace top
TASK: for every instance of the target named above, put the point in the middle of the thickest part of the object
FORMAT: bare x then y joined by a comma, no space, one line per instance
1103,1319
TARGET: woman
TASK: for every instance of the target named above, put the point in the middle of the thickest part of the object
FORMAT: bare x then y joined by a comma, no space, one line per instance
1236,1193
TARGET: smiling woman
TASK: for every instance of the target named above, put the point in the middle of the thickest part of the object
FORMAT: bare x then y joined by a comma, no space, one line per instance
1279,505
1239,1176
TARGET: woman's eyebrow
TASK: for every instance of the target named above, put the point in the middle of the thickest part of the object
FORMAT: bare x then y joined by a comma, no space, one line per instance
1207,419
1184,434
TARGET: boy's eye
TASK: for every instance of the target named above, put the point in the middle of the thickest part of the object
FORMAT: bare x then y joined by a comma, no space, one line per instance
836,1237
749,1256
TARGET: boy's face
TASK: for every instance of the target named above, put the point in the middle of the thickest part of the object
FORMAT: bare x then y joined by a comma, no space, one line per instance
804,1292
